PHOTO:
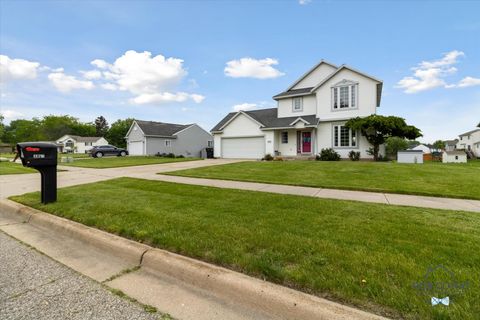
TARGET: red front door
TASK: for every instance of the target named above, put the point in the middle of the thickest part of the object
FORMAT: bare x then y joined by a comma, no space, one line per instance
306,142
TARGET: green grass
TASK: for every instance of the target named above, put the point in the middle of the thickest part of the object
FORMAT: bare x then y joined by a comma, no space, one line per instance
115,162
14,168
431,179
7,155
324,247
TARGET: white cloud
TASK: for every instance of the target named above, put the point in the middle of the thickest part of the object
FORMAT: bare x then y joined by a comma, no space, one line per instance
244,106
11,69
467,82
148,98
11,114
252,68
99,63
431,74
92,74
65,83
152,79
304,2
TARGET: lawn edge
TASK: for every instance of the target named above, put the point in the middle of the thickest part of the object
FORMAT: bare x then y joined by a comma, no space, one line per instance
132,165
173,173
222,282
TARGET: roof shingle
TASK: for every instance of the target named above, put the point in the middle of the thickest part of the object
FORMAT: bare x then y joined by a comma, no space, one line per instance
153,128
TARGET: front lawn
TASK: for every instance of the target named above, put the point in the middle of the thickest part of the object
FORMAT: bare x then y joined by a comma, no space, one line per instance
7,167
368,255
115,162
432,179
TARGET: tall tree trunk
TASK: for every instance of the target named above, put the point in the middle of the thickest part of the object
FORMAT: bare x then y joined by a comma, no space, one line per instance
376,148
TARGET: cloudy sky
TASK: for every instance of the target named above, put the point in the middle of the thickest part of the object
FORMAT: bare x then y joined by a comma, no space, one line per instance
194,61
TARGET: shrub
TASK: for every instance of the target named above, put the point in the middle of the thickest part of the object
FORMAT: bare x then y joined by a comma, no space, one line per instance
268,157
354,155
328,155
169,155
181,156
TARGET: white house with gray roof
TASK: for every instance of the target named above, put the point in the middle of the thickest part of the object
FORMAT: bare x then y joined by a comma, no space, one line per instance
310,115
150,138
470,142
78,144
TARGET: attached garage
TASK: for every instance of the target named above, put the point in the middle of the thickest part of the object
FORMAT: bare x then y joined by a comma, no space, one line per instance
135,148
243,148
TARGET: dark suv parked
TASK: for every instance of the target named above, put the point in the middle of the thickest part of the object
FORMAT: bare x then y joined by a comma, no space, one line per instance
108,150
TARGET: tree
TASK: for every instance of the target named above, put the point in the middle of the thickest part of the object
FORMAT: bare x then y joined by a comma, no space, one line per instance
395,144
101,126
24,130
2,127
377,129
54,127
439,145
83,129
118,131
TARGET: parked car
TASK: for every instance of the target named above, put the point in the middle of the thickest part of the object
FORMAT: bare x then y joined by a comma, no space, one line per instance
107,150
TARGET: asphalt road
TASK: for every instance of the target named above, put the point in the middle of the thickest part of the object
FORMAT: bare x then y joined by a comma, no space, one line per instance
33,286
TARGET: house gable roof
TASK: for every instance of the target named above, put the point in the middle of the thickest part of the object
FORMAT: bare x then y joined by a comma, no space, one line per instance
468,133
80,138
311,90
267,119
310,71
153,128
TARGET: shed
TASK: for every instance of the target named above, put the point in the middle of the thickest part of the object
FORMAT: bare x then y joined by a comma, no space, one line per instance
457,156
410,156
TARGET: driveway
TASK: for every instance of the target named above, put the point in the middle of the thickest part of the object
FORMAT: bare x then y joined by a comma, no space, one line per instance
17,184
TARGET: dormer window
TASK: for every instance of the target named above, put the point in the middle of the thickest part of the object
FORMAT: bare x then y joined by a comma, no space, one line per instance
297,104
344,95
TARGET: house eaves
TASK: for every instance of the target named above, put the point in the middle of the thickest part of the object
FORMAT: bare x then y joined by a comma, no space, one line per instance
310,71
236,115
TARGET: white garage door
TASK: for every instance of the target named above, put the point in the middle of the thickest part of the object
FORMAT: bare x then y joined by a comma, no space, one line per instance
135,148
247,148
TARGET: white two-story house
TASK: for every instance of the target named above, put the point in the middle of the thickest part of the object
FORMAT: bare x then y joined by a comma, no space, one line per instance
470,142
310,116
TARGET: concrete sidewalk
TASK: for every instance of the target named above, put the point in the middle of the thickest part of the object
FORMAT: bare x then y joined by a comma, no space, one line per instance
373,197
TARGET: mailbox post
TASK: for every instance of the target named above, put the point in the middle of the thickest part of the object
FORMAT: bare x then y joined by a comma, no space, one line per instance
43,157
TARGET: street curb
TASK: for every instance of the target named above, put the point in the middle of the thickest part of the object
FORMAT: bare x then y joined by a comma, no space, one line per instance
225,284
128,250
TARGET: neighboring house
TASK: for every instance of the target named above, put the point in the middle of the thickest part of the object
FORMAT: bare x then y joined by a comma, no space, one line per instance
150,138
422,147
310,116
78,144
450,145
410,156
470,142
454,157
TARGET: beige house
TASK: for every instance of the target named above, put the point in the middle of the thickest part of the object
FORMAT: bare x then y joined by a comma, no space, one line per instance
470,142
77,144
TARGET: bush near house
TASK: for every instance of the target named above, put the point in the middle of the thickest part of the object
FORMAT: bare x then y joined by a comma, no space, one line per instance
354,155
328,154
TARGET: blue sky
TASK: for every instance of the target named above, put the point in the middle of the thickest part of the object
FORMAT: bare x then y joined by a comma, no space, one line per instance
47,51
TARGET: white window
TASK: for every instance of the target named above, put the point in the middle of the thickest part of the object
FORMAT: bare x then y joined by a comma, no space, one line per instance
344,137
88,144
209,143
297,104
284,137
168,143
344,96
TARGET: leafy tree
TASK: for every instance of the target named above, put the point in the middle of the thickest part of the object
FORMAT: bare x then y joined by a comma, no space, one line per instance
118,131
54,127
439,144
101,126
413,143
2,127
377,129
395,144
83,129
24,130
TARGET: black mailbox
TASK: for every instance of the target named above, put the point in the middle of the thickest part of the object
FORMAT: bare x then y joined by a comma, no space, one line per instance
43,157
